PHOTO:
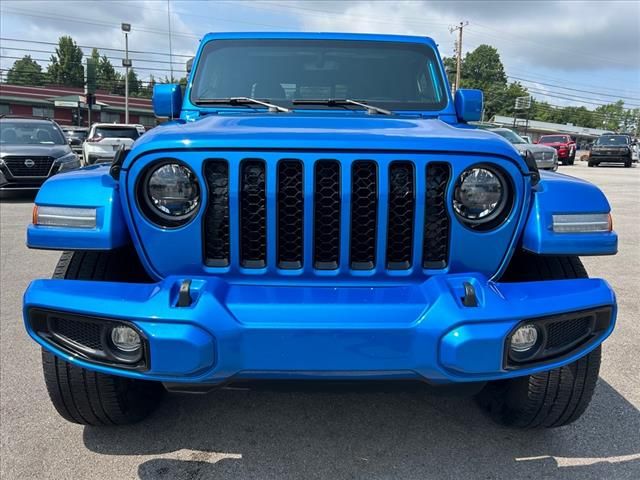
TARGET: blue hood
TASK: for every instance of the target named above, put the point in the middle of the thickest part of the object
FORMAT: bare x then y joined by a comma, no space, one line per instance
315,131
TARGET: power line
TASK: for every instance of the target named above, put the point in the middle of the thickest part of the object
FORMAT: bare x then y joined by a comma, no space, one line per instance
572,89
144,60
91,47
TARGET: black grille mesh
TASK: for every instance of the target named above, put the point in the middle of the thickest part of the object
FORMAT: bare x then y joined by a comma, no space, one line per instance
290,214
84,333
40,167
216,223
326,206
401,215
436,219
253,215
364,214
567,332
363,202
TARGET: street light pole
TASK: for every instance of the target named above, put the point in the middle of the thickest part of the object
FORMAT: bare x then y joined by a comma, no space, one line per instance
126,63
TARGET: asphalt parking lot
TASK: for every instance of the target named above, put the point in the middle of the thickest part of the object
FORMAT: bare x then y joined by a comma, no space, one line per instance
262,435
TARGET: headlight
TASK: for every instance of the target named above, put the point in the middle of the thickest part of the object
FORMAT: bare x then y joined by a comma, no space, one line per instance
68,162
482,197
169,194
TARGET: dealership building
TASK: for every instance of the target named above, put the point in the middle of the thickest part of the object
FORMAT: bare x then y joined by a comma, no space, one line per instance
535,129
68,106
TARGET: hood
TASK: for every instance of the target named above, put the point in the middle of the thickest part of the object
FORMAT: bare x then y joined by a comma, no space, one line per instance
55,151
554,144
533,148
322,132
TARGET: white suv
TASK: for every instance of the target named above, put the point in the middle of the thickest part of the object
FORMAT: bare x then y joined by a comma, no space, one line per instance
106,138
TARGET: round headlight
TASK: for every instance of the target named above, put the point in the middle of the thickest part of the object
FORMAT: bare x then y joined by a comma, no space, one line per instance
480,196
170,194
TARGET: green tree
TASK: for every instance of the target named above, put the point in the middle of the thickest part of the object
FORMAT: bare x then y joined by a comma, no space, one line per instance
25,71
66,65
108,78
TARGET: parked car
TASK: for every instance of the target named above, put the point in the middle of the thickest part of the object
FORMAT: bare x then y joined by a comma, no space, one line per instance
564,144
611,149
546,157
76,137
32,150
106,138
299,221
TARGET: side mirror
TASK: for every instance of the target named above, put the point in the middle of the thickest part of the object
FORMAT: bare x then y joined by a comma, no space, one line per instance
468,105
167,100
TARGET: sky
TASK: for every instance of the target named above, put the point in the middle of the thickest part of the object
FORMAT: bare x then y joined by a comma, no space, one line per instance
565,52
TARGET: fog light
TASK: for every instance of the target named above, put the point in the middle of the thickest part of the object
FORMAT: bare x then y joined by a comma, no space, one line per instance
524,338
125,339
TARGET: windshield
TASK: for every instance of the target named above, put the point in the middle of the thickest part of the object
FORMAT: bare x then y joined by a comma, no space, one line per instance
27,133
80,134
116,132
391,75
613,140
511,136
553,139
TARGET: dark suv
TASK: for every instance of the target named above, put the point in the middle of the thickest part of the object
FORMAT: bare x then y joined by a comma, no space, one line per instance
611,149
32,150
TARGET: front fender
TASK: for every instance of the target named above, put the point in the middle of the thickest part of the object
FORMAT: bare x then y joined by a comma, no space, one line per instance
90,187
561,194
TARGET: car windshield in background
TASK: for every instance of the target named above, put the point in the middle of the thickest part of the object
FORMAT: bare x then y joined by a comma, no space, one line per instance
396,76
117,132
80,134
25,133
553,139
511,136
613,140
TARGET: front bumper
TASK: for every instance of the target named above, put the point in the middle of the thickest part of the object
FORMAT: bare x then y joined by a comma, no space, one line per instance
609,158
235,332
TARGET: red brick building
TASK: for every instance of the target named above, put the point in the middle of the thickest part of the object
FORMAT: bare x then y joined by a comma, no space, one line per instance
67,105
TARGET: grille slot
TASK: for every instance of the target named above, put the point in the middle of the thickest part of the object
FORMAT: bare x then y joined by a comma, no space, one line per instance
253,214
326,211
290,214
216,223
435,247
40,168
87,334
567,333
364,214
401,216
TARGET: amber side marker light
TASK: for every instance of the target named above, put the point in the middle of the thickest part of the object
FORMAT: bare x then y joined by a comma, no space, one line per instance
70,217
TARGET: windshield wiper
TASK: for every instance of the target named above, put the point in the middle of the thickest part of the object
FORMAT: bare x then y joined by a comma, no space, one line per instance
337,102
241,101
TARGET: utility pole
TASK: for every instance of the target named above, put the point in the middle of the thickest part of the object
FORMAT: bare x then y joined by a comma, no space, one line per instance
126,63
459,28
170,42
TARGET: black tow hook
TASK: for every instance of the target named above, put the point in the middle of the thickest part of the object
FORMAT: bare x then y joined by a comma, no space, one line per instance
470,299
184,295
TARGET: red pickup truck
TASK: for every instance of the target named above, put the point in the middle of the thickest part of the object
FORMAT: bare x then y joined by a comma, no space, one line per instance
564,144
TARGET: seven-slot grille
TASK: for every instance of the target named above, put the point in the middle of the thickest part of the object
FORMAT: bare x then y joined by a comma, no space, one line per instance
28,166
318,192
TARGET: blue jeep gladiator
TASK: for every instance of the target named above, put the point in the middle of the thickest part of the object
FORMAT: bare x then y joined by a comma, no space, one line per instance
318,208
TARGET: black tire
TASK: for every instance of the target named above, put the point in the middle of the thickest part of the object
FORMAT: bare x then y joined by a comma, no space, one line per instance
591,164
548,399
627,164
84,396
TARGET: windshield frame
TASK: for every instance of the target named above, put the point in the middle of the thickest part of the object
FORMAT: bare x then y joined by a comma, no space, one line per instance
430,52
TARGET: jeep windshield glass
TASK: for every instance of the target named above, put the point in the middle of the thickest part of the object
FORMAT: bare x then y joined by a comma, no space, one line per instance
392,76
612,140
30,133
511,136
